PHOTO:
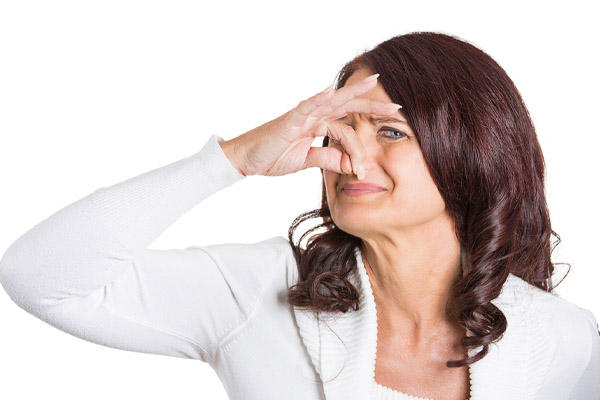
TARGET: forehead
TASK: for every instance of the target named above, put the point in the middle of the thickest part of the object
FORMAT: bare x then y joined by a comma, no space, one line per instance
359,75
377,92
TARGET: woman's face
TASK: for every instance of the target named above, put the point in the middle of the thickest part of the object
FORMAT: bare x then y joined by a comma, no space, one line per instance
395,162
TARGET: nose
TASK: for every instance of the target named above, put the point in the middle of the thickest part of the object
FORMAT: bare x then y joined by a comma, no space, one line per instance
367,136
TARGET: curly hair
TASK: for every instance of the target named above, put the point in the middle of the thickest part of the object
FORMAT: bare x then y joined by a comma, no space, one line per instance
482,151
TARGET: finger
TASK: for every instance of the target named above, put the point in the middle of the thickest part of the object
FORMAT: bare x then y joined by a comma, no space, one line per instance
347,141
364,106
343,95
346,164
323,103
329,158
298,116
307,106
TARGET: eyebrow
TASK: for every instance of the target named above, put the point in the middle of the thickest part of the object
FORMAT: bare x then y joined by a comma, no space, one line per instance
378,120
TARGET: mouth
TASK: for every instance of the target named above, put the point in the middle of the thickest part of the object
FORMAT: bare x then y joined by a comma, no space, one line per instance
368,186
359,192
361,189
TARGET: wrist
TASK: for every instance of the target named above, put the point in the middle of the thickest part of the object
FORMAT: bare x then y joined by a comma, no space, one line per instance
231,149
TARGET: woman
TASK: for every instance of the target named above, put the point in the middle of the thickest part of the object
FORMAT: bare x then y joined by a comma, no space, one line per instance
432,277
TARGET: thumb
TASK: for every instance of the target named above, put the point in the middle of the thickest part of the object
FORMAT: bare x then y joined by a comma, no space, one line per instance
329,158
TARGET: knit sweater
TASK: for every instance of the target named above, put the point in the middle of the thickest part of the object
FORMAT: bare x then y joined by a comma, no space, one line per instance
86,270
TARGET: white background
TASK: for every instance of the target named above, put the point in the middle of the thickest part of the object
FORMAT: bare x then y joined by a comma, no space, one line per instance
92,93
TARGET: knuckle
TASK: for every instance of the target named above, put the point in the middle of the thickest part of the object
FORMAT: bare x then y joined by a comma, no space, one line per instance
302,107
347,130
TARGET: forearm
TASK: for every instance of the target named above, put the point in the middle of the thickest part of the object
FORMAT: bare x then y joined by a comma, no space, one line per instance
88,243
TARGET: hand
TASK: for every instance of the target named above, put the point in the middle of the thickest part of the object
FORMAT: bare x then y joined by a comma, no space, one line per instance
283,146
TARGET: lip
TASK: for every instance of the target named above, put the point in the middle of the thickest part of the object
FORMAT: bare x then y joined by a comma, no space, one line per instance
363,186
360,189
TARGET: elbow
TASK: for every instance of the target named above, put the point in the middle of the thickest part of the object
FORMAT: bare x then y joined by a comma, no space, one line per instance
16,269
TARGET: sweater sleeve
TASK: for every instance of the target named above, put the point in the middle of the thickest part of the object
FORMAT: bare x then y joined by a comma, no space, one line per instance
86,269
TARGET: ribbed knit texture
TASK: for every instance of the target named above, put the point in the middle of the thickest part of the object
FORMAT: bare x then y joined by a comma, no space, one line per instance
547,336
138,212
386,393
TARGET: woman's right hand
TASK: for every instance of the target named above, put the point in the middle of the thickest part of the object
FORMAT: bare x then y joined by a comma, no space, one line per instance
283,146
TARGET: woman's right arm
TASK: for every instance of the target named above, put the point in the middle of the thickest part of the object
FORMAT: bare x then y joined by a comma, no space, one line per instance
87,270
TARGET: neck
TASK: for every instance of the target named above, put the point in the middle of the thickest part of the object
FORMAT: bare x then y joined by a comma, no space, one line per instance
412,275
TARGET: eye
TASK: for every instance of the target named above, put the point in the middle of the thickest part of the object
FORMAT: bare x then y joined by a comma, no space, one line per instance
398,134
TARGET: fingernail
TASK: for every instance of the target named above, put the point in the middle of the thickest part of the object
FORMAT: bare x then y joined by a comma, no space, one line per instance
361,172
393,105
371,78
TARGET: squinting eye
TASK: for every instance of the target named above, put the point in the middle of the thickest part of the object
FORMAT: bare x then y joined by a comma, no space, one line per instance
402,134
398,135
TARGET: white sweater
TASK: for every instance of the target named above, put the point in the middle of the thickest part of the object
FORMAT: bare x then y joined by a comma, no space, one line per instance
87,270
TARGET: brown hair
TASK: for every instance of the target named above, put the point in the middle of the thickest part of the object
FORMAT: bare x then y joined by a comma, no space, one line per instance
481,148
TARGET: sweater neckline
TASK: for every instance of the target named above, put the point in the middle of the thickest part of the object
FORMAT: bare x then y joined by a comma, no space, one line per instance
342,346
385,392
367,290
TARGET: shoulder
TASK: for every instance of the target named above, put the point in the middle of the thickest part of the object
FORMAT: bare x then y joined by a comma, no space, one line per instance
550,307
570,333
520,294
572,329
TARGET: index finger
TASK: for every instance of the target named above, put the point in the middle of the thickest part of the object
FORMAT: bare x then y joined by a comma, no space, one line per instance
344,102
363,106
351,145
345,94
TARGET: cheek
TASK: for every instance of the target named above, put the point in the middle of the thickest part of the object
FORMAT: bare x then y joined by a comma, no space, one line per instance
413,185
330,178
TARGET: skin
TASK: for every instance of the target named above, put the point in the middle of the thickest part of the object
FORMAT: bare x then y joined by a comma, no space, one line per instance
284,145
410,251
